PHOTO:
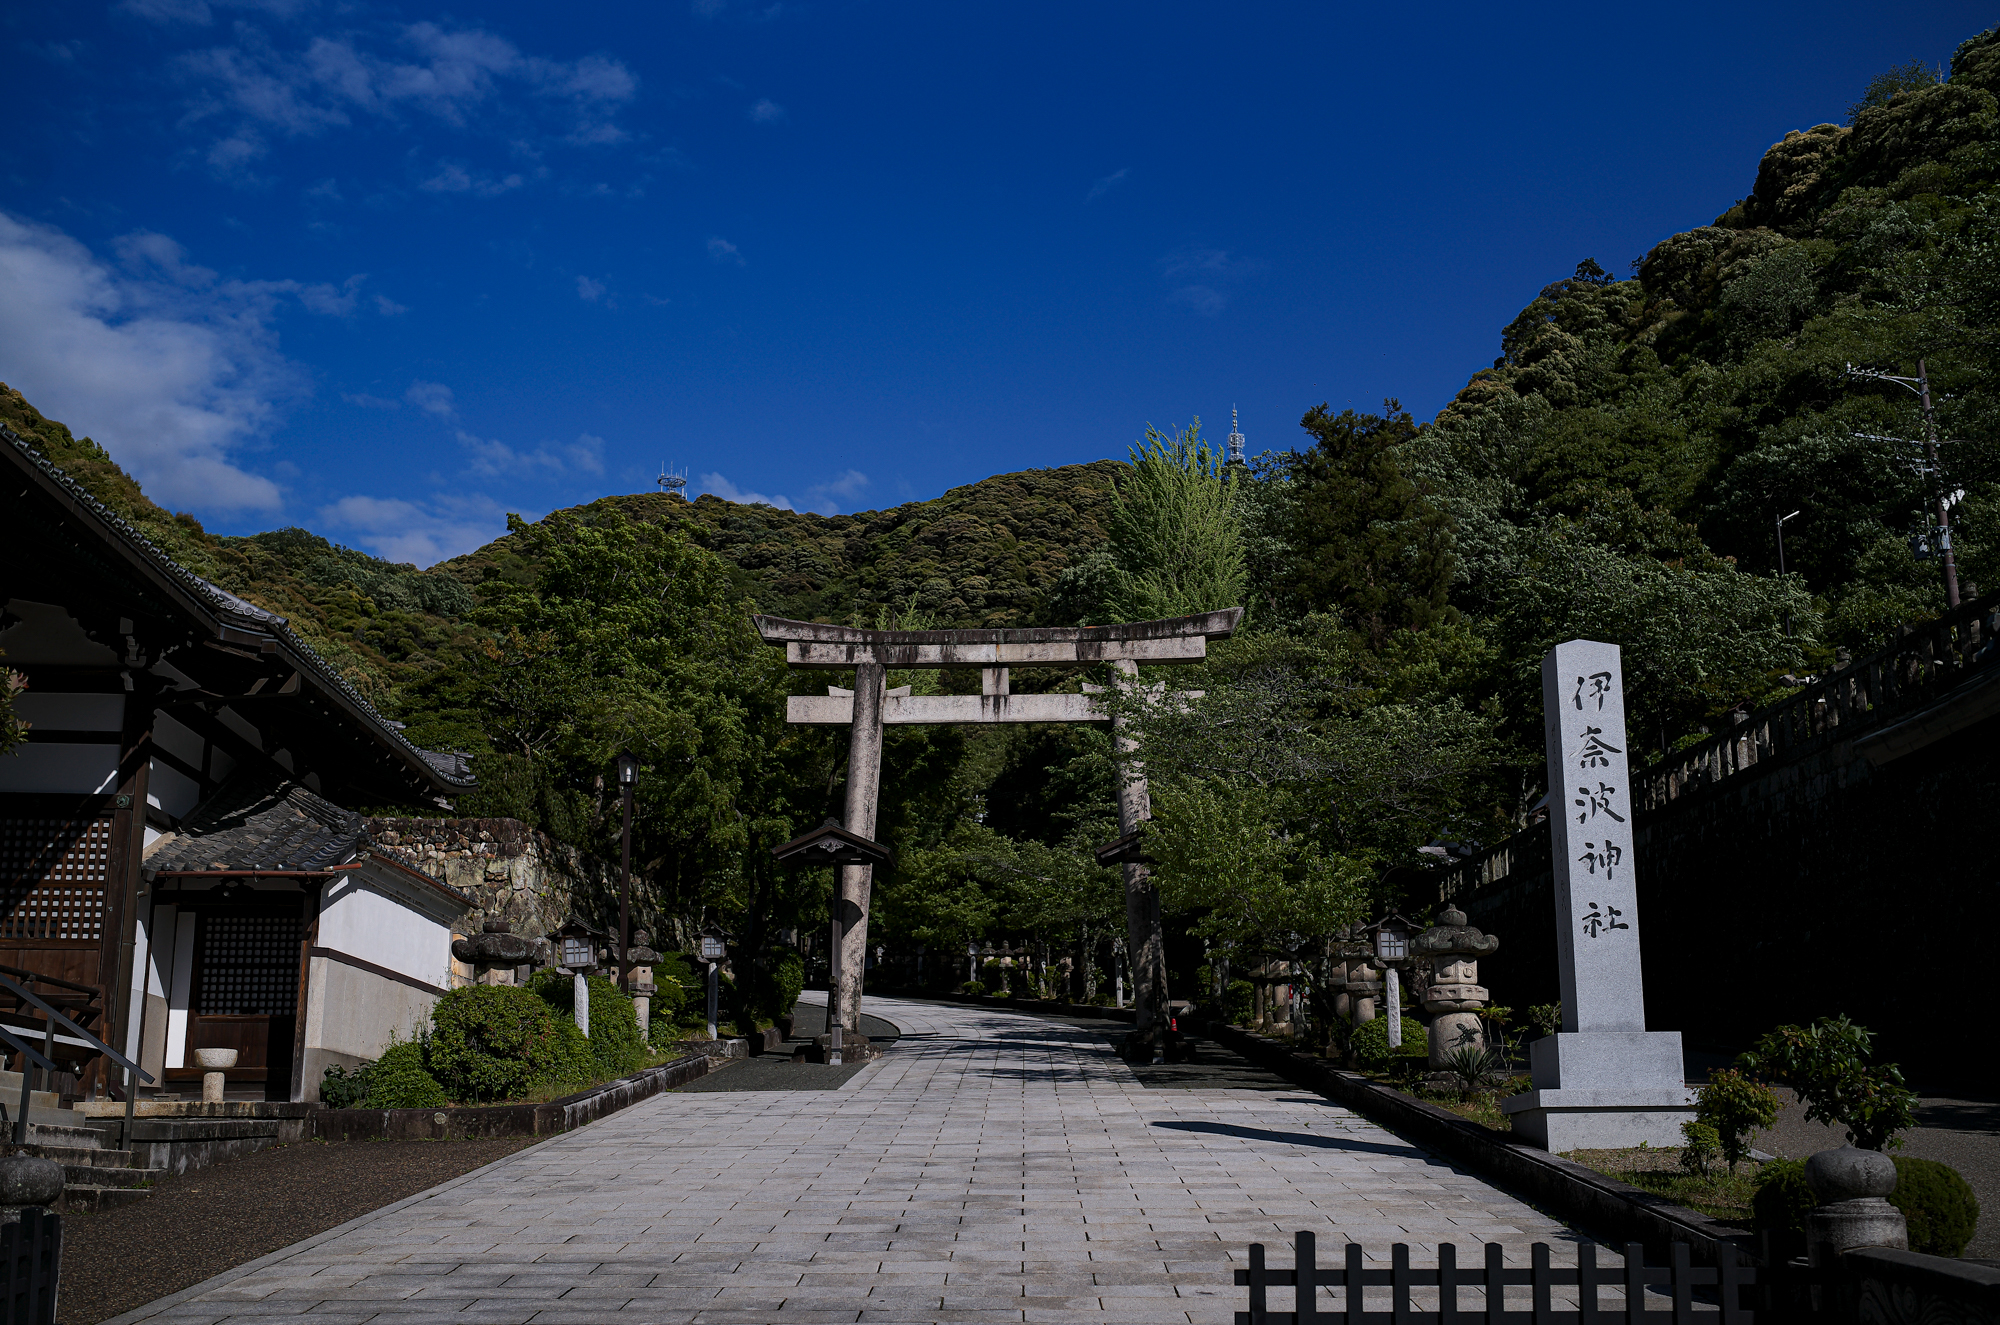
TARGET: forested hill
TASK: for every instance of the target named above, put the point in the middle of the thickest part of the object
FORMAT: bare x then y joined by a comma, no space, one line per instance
982,555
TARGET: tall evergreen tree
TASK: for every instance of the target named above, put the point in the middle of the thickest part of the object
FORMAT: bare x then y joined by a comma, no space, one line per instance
1366,543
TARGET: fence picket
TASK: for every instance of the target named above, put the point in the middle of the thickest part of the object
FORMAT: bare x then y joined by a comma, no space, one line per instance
1305,1275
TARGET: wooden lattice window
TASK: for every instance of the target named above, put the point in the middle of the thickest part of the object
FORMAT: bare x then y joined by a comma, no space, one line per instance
53,876
250,966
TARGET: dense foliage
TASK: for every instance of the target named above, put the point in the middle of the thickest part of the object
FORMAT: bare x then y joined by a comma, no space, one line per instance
503,1042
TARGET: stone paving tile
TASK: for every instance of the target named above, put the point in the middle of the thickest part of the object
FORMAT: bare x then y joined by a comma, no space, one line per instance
993,1167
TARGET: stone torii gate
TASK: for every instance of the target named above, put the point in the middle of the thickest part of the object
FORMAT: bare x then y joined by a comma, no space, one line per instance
871,654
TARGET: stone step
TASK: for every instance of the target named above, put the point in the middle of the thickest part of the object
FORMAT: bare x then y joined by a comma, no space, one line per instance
85,1157
73,1136
87,1175
93,1197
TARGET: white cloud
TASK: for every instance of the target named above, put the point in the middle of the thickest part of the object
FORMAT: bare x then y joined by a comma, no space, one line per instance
588,290
366,401
1203,299
722,251
1108,183
723,488
496,459
452,74
432,398
820,496
169,367
452,177
388,307
420,532
766,111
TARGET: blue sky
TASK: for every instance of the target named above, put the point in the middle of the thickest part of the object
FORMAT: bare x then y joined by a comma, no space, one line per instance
391,271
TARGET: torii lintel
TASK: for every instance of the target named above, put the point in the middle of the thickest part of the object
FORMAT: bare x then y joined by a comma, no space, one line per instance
838,648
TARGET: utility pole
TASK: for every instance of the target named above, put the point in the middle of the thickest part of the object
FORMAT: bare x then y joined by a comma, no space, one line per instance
628,774
1781,567
1937,487
1941,507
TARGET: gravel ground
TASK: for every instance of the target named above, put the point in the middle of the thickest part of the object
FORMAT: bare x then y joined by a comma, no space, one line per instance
196,1225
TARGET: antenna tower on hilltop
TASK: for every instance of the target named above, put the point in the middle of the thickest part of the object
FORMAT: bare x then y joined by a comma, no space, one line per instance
1235,439
670,481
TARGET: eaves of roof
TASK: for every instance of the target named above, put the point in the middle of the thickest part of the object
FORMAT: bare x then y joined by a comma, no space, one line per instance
233,619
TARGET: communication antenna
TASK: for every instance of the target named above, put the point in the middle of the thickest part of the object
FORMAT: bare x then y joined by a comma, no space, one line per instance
669,481
1235,439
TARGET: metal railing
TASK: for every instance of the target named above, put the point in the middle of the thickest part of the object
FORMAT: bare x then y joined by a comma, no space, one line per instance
1723,1284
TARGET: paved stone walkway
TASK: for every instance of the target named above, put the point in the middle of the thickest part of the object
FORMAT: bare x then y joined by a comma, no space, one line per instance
993,1167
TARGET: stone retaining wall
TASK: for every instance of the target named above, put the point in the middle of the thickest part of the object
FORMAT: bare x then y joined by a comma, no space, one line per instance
512,872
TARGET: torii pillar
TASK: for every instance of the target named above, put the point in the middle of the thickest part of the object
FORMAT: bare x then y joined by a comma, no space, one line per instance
872,654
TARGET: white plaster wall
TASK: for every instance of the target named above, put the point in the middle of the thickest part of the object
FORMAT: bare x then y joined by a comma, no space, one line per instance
177,740
352,1015
84,769
171,790
364,921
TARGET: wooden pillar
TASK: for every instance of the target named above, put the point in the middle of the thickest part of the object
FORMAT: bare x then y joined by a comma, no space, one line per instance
864,777
1145,940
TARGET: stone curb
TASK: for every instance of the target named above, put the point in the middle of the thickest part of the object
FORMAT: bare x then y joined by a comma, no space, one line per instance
462,1123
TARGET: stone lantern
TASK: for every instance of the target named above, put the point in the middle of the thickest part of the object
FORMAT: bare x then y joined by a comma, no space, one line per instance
1455,996
495,949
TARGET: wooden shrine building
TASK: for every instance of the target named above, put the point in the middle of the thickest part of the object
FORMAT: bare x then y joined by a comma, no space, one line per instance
179,846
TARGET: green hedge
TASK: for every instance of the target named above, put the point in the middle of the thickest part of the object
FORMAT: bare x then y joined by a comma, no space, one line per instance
503,1042
676,988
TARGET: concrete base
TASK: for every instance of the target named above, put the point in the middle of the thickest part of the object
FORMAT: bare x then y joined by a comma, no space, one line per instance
1603,1090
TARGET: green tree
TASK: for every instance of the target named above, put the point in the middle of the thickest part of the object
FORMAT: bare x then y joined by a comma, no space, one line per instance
1176,530
1365,541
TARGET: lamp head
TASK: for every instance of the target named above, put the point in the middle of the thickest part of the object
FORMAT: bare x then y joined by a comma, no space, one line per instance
628,769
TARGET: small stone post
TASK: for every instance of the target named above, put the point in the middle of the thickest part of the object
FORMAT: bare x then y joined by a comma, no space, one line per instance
582,1004
28,1182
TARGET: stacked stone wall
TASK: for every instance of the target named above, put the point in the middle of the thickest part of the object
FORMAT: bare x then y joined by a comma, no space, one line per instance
512,872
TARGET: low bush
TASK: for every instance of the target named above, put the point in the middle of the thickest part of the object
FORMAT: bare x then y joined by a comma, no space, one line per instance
502,1042
1699,1145
772,991
974,988
1370,1043
1240,1002
1780,1206
400,1079
344,1087
1938,1204
615,1045
1826,1063
1734,1107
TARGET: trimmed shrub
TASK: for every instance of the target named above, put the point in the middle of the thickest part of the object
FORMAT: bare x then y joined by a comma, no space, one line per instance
501,1042
615,1045
1939,1205
1781,1204
974,988
399,1079
1699,1144
1370,1043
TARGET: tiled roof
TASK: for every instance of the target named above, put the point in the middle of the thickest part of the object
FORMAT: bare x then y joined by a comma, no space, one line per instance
253,823
452,769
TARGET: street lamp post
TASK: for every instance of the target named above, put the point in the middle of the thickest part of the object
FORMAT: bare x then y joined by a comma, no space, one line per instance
628,776
1781,566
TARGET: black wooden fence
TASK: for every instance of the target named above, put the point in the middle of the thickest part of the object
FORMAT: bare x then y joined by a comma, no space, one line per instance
1725,1283
30,1266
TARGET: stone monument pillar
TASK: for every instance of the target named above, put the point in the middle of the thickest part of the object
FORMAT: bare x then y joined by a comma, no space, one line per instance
1455,995
1604,1081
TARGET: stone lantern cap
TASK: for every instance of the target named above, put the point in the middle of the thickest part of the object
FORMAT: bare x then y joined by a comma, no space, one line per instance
494,945
1452,937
